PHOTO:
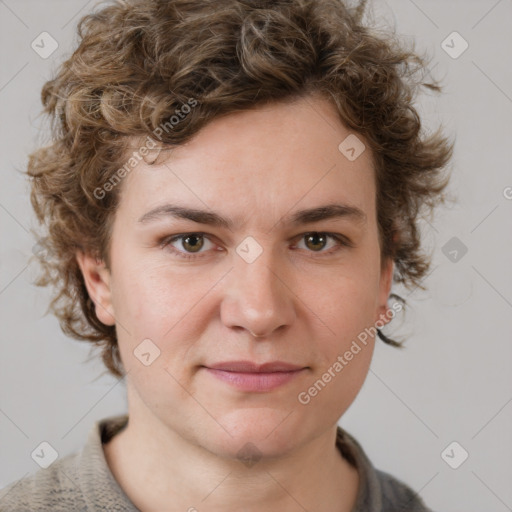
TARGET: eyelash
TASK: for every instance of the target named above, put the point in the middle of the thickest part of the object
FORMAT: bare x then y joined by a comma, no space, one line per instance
165,243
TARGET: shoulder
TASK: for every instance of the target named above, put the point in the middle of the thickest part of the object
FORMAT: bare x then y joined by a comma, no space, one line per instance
79,481
396,495
378,490
55,488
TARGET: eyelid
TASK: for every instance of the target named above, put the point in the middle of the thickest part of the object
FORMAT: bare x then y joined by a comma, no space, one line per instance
166,242
341,239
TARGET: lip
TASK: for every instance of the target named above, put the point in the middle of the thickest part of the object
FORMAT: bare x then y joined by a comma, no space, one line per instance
250,367
251,377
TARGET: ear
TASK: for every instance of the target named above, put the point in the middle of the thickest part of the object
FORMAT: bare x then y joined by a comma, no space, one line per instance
386,280
97,281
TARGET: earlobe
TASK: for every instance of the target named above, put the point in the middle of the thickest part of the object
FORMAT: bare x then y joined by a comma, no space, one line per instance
97,281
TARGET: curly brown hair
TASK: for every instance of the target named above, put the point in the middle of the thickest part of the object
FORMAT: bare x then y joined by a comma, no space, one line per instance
139,62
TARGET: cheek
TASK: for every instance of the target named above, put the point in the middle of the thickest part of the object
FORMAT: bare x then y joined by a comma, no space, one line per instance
167,308
140,300
148,293
343,357
350,314
343,305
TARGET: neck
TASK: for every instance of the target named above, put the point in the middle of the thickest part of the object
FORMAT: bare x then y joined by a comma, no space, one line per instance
160,470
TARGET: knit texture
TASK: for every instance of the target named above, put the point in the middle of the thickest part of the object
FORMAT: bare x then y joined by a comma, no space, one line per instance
82,481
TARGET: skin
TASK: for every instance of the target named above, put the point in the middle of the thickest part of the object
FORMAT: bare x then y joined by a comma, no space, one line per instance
305,302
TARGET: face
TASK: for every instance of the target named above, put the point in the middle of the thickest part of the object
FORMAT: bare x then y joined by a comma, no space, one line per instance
260,287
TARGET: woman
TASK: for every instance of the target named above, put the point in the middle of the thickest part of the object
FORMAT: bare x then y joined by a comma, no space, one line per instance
232,189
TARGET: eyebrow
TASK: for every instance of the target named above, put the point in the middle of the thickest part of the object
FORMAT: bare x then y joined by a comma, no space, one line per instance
329,211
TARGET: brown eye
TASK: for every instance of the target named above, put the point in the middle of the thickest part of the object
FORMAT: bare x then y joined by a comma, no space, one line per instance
188,245
192,243
315,241
318,242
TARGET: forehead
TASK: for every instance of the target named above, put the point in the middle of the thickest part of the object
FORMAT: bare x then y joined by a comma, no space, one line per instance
261,161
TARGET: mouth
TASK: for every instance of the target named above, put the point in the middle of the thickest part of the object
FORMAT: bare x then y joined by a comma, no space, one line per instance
251,377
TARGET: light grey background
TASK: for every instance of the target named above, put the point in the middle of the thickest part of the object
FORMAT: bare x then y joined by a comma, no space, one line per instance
452,382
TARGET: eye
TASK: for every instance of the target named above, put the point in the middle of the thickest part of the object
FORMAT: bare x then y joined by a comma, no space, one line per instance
191,242
316,241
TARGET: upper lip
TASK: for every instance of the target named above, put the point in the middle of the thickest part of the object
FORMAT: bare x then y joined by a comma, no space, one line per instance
250,367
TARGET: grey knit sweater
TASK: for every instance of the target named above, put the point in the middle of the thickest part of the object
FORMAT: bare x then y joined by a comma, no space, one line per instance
82,481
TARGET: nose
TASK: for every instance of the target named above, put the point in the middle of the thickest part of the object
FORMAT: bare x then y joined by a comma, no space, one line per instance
257,296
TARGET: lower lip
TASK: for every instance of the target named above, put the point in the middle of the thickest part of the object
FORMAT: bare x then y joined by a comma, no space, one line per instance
255,381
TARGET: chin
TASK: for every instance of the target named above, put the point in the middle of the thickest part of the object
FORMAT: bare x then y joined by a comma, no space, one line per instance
256,432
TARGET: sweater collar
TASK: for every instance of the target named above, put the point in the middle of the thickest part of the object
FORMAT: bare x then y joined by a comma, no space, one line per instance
97,481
